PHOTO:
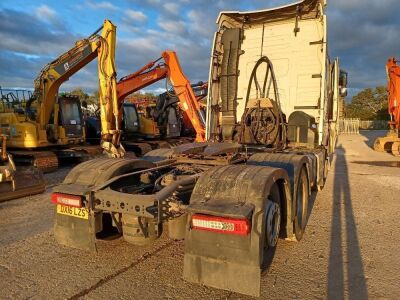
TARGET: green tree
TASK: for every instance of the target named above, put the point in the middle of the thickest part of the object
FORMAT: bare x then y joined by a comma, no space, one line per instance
83,96
80,93
93,98
138,95
369,104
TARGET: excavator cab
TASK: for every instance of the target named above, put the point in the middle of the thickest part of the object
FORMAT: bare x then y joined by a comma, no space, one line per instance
71,117
130,124
148,127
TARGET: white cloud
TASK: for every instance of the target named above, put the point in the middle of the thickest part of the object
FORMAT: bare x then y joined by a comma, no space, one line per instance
172,8
155,91
152,2
176,27
101,5
45,13
135,16
201,23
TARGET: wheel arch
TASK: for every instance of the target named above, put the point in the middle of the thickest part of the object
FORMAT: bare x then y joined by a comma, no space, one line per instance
98,171
292,163
233,192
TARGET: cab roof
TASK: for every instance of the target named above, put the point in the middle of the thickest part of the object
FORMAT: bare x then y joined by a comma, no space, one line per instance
291,8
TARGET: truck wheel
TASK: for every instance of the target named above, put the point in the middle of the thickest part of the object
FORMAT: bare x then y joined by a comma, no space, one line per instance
272,224
321,183
302,196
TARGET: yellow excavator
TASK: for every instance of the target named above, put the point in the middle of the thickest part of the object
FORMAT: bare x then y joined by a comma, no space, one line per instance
51,127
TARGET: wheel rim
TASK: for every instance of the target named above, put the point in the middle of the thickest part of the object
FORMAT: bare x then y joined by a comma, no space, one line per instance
273,223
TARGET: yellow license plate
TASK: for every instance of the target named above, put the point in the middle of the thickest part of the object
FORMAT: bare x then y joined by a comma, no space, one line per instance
82,213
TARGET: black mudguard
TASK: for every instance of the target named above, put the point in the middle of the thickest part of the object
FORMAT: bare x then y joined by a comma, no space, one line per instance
83,180
75,232
223,261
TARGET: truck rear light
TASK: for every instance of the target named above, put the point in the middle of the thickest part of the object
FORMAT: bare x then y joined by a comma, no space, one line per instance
66,199
221,225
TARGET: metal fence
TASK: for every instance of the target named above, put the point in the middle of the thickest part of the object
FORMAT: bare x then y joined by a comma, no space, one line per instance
349,126
375,124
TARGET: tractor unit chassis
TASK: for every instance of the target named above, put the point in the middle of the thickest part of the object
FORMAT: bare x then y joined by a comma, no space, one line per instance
229,202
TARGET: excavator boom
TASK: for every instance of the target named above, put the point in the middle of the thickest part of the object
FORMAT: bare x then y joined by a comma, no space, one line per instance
183,90
139,80
393,71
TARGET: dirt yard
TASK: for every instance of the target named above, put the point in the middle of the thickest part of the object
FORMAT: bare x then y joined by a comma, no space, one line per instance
350,248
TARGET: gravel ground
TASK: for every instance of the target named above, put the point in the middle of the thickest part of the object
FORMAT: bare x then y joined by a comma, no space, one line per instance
350,248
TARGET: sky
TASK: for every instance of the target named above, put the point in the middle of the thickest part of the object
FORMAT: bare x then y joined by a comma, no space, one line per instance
362,33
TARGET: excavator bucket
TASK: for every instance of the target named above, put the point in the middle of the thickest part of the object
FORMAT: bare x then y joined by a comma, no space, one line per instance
18,181
23,181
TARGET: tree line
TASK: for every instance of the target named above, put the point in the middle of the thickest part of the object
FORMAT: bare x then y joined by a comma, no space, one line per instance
94,98
369,104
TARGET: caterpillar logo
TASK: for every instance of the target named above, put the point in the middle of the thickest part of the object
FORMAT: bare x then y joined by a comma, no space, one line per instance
66,66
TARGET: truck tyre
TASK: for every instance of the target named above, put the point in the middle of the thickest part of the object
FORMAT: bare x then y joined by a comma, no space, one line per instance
140,231
272,224
321,184
302,196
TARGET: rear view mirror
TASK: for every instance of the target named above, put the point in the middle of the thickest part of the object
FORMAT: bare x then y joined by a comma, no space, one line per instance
343,92
343,79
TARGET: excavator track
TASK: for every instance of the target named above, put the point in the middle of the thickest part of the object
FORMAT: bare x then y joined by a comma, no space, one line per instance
45,161
389,143
379,144
396,148
48,161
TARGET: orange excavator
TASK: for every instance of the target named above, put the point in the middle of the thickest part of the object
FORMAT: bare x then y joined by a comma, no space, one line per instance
141,127
161,116
166,67
391,142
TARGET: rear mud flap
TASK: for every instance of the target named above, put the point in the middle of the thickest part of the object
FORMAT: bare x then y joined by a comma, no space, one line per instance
75,232
240,278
